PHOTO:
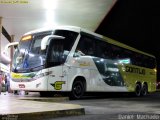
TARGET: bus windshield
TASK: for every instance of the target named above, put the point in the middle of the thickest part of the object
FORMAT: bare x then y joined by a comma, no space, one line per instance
29,57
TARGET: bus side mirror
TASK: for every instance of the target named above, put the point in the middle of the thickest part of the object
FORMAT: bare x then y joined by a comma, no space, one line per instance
5,55
9,45
46,40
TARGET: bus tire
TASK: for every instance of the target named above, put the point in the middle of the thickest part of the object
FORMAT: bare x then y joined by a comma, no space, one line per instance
138,90
144,90
77,90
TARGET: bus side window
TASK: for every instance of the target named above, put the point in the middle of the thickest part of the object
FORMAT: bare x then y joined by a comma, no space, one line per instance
80,49
85,47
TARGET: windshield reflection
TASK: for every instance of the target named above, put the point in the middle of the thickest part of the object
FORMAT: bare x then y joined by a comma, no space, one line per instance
29,57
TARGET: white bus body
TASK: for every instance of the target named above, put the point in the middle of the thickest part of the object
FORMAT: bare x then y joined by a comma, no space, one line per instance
77,72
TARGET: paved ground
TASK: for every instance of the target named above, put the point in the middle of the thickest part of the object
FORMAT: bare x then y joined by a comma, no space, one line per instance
20,107
118,107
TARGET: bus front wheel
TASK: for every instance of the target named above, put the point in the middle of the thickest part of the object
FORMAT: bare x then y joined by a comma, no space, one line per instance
77,90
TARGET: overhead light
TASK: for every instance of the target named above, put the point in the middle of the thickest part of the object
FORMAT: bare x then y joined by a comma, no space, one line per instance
50,4
50,18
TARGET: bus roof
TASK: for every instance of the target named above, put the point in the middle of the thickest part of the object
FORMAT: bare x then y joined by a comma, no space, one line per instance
71,28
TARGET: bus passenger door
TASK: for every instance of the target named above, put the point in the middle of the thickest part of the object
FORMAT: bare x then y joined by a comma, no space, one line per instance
55,64
58,79
55,78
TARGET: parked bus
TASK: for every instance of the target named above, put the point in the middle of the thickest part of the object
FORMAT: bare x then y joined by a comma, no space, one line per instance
74,60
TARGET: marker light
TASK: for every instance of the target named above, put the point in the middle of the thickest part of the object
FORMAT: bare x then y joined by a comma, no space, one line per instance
28,37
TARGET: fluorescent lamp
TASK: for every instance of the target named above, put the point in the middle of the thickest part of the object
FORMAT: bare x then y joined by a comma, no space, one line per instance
50,4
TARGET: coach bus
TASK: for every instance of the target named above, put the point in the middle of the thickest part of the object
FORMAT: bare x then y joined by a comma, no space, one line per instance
75,61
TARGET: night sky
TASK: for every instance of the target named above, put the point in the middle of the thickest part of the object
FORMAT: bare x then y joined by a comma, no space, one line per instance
136,23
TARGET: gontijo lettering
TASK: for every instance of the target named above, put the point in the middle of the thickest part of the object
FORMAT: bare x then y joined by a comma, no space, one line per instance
135,70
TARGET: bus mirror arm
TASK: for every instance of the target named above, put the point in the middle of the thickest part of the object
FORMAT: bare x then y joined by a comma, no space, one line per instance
4,53
47,38
9,45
